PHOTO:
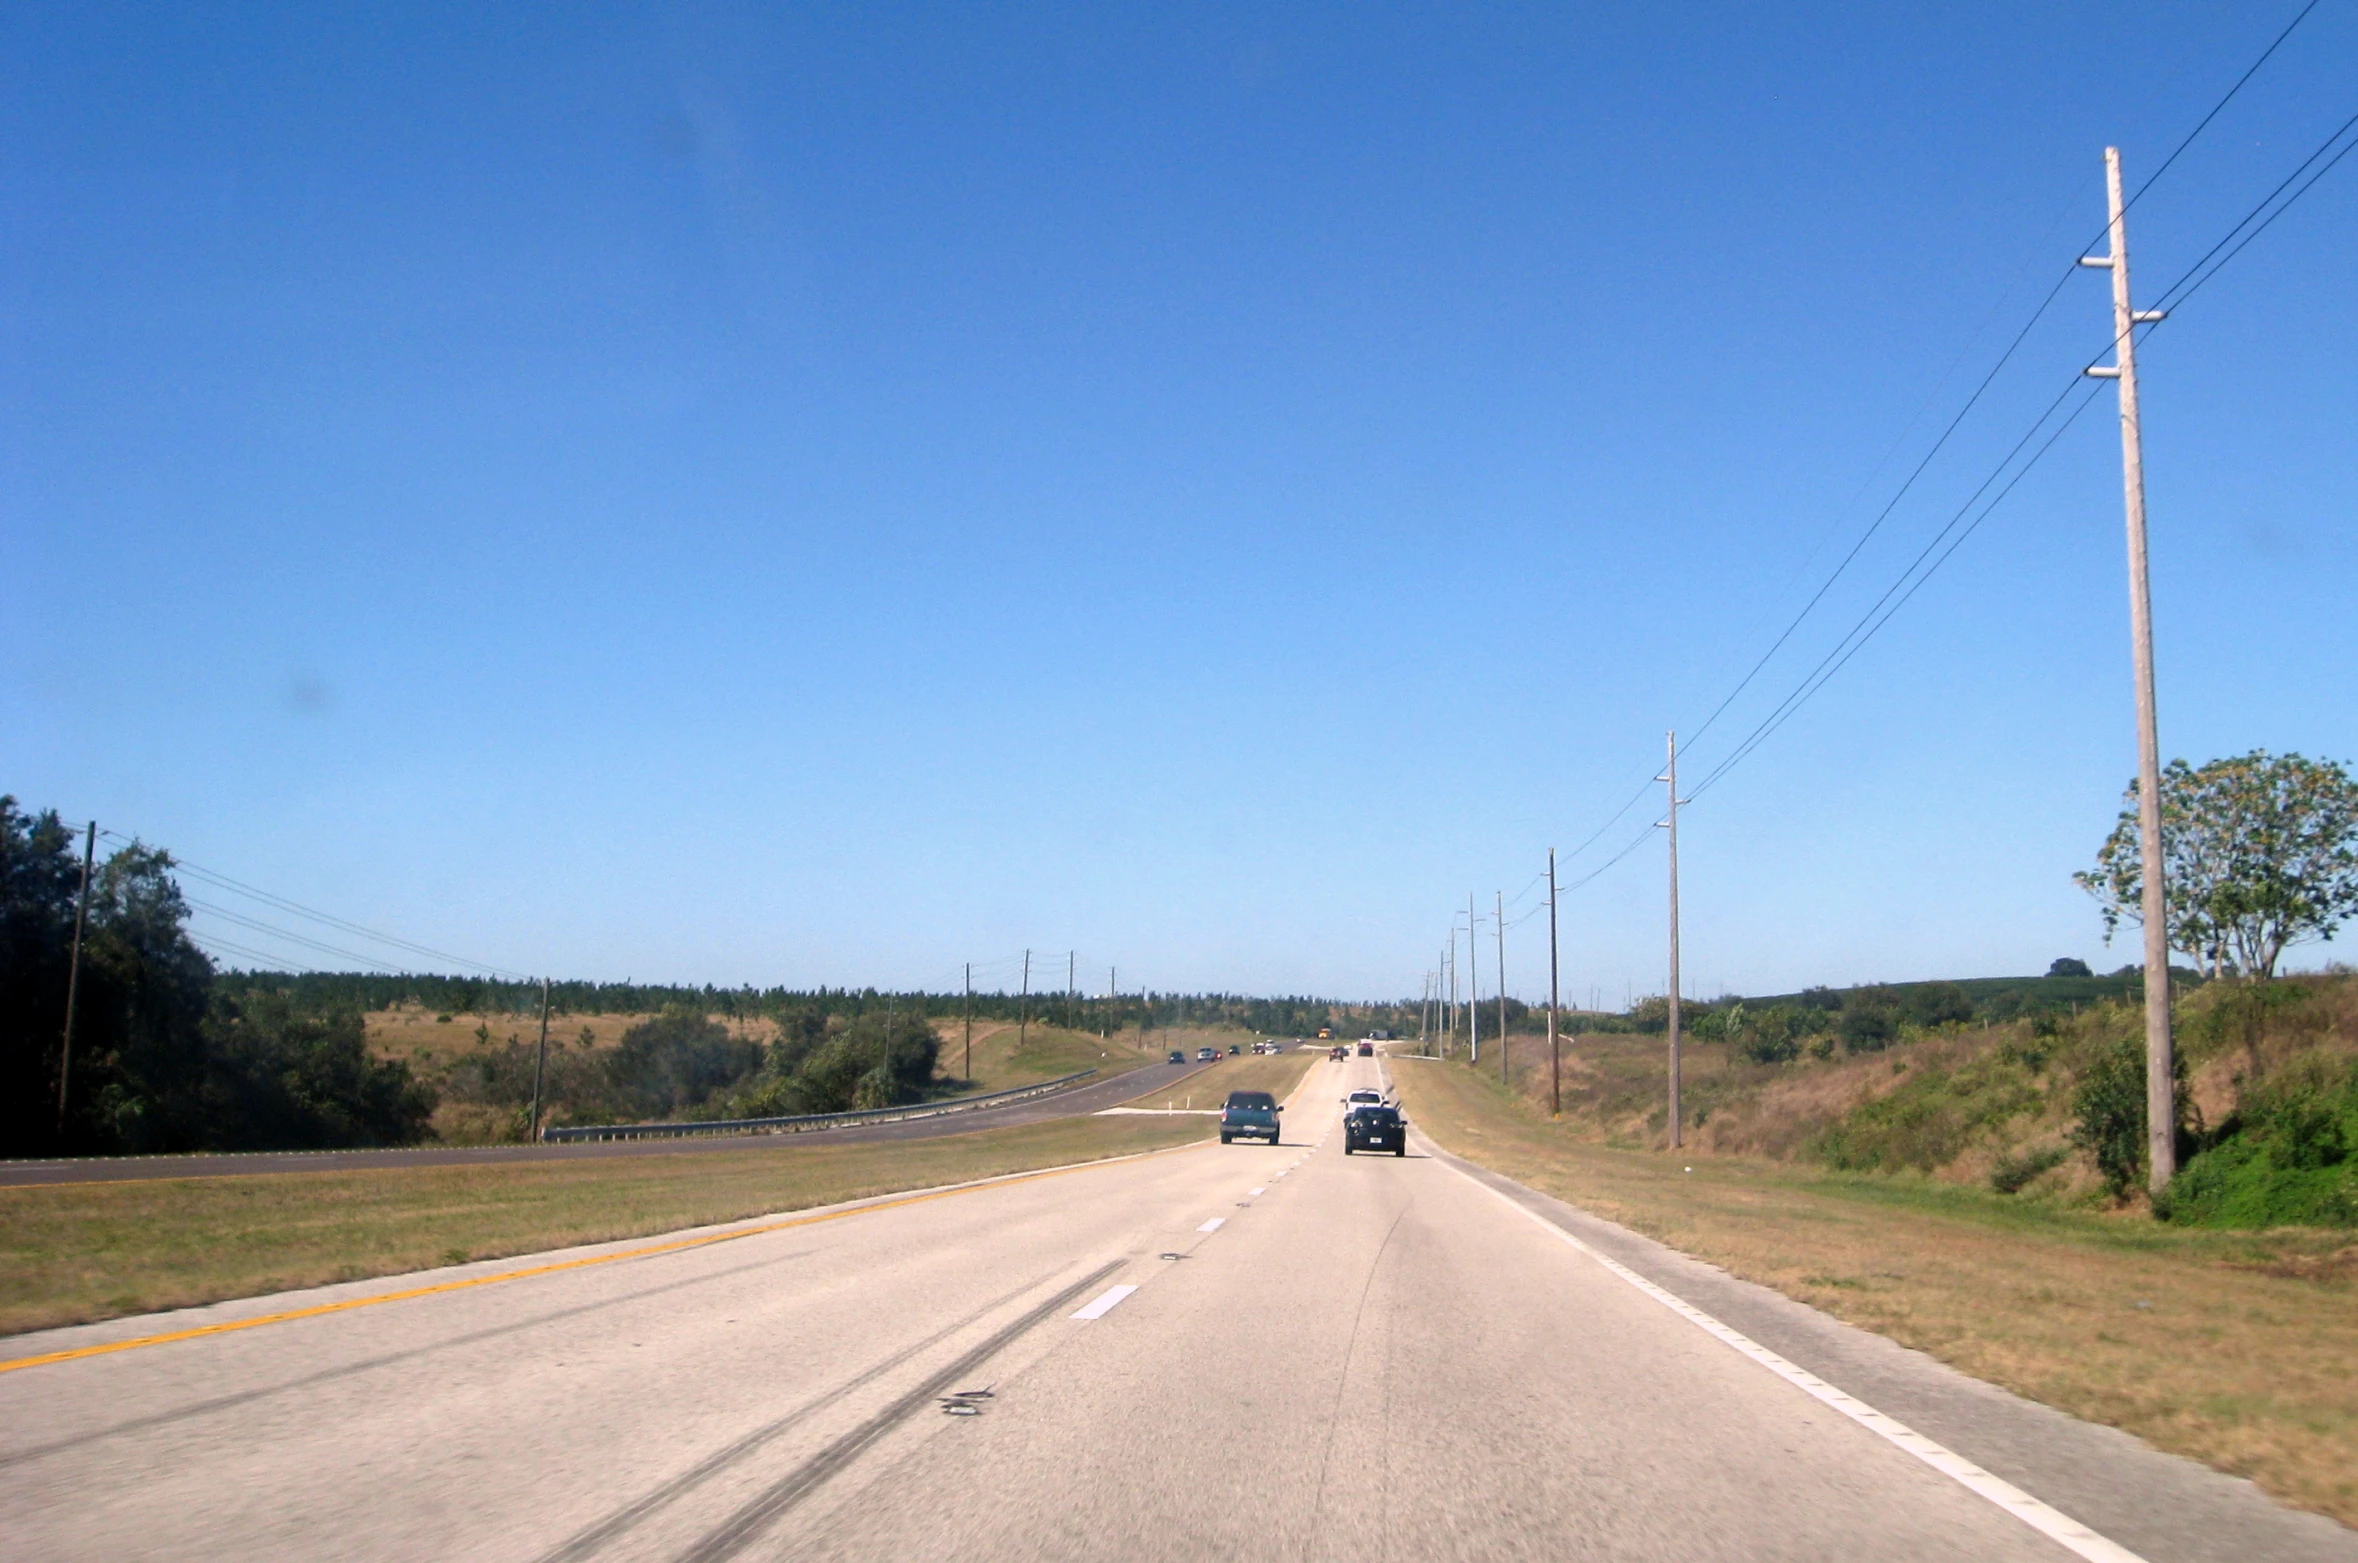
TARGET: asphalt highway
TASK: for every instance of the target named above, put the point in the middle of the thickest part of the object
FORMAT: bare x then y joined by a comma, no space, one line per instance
1084,1098
1252,1351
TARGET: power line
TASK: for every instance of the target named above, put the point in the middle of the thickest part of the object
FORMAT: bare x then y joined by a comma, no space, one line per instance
327,919
1940,442
224,913
2188,282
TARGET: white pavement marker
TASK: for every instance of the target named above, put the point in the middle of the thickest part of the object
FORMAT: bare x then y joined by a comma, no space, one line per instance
1213,1225
1107,1303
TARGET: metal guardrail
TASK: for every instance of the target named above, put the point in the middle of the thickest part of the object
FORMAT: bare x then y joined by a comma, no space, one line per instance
808,1122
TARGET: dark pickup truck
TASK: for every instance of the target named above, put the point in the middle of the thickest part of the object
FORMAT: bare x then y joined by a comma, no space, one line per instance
1249,1115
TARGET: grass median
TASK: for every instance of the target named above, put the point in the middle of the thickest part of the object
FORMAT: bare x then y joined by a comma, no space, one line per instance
71,1253
2237,1349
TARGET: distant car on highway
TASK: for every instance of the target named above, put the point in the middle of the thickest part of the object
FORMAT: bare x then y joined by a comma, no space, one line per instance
1362,1098
1249,1115
1205,1055
1178,1057
1374,1128
1338,1054
1234,1051
1367,1050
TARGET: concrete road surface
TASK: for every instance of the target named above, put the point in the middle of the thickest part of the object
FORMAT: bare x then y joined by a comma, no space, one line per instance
1251,1351
1088,1097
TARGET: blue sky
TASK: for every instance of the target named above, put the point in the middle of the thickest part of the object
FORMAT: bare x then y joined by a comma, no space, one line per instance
824,495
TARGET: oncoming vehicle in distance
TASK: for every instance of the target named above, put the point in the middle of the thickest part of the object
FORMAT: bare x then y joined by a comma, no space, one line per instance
1178,1057
1205,1055
1249,1115
1374,1127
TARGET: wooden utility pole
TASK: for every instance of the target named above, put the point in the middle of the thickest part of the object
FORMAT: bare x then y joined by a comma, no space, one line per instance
1473,984
1449,977
1023,1006
1503,1049
1555,1061
1071,988
1109,1004
540,1063
967,1072
2161,1110
1677,1128
65,1047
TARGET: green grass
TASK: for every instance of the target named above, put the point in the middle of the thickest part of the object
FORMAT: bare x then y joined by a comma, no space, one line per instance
70,1253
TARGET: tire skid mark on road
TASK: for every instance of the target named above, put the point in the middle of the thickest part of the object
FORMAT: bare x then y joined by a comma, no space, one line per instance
748,1524
588,1542
644,1251
1334,1417
2048,1521
386,1359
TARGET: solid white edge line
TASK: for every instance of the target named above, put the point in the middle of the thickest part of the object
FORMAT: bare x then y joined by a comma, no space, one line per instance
1105,1304
1214,1224
2047,1520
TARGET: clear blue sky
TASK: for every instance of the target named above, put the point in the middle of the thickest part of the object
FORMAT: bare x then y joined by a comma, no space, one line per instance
744,495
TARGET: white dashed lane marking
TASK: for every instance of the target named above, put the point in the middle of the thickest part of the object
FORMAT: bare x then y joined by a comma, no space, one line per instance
1105,1304
1213,1225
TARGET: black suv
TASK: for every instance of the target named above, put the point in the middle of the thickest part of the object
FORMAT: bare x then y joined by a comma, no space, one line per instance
1249,1115
1374,1129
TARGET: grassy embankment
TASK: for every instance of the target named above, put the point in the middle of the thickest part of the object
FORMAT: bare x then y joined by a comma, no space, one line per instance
2236,1348
442,1047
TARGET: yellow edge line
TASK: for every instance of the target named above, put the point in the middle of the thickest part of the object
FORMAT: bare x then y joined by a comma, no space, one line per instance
648,1250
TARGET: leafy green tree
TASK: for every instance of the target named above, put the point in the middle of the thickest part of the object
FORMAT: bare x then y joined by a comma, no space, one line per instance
1870,1019
1935,1004
280,1078
139,1057
2069,966
1768,1036
2259,852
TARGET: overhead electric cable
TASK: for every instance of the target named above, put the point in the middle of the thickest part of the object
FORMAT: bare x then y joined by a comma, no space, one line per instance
328,919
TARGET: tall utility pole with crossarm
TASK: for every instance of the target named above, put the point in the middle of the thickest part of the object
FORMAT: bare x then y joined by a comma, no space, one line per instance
2161,1113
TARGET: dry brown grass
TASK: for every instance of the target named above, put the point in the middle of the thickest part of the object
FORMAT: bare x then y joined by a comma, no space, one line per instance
2240,1350
423,1036
76,1252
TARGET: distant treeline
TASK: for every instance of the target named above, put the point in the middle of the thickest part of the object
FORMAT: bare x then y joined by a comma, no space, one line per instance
1294,1016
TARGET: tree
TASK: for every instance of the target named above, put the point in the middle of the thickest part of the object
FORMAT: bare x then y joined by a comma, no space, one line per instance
2259,852
278,1077
678,1059
2069,966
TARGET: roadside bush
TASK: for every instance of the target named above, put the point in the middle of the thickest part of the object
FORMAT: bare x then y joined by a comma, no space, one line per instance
1920,1126
1769,1036
2284,1159
2014,1173
679,1060
1930,1004
1869,1021
872,1062
2108,1112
